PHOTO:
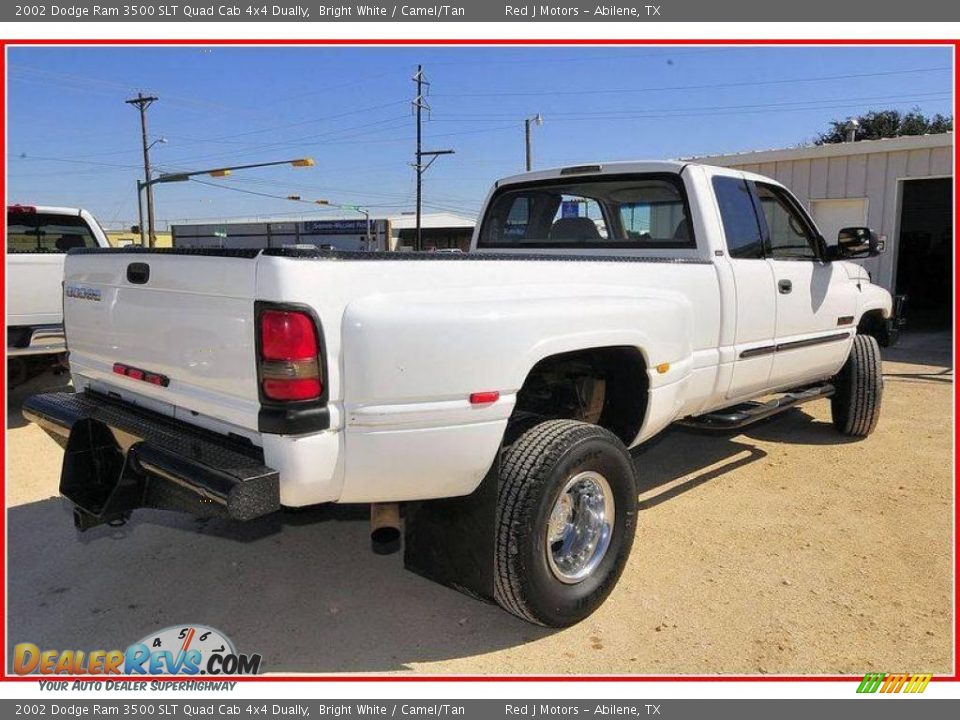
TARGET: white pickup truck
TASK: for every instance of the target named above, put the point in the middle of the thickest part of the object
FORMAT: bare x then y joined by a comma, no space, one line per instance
38,239
495,392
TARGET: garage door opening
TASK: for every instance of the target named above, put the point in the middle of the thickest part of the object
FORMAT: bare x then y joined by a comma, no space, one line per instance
925,253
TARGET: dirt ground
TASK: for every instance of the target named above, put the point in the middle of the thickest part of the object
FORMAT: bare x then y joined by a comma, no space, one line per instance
784,549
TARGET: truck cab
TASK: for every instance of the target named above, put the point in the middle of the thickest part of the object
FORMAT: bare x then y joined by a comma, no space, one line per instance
38,239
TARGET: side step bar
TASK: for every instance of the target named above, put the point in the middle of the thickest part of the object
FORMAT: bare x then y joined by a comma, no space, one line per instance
744,414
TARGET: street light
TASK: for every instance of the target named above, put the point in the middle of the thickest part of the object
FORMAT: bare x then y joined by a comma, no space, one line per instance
366,214
212,172
538,119
355,208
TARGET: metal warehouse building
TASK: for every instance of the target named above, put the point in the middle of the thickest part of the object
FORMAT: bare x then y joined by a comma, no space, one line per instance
395,232
901,187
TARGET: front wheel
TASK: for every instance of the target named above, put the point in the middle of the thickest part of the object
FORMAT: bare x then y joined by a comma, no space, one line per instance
855,404
566,517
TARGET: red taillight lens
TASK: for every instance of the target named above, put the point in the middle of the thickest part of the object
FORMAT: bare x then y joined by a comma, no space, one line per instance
302,389
289,356
287,335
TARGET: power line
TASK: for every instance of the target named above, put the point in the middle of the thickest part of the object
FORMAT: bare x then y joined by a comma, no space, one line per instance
556,117
711,86
615,114
392,122
665,52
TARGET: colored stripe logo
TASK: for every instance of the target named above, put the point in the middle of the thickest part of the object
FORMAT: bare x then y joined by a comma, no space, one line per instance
894,683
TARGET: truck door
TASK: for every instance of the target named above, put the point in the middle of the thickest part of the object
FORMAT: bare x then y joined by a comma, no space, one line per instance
756,299
816,301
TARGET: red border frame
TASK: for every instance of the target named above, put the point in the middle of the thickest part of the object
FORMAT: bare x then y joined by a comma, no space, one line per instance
485,42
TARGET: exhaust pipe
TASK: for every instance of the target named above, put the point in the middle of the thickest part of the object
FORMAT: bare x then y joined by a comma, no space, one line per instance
385,528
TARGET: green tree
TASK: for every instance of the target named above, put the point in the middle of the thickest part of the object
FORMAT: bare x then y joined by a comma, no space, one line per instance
878,124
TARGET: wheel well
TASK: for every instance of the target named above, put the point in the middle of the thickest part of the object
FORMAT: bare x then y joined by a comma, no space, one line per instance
871,323
604,386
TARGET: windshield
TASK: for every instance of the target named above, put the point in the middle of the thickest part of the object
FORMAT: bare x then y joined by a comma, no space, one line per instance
31,232
637,211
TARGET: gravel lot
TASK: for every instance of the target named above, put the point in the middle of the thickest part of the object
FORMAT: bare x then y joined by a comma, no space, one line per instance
784,549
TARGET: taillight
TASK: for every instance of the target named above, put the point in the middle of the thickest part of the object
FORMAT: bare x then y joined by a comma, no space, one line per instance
289,356
21,209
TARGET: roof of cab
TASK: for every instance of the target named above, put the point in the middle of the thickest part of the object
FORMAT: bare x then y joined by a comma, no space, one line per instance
49,209
627,167
598,168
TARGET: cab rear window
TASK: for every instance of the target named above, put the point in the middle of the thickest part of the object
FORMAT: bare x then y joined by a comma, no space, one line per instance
634,211
38,232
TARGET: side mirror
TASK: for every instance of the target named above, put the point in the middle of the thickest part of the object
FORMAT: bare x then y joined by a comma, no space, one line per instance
856,242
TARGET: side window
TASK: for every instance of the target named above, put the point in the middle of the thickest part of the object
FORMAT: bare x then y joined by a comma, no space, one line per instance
789,236
740,224
518,218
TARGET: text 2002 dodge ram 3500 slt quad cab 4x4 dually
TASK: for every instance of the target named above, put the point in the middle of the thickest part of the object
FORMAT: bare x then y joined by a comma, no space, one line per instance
495,392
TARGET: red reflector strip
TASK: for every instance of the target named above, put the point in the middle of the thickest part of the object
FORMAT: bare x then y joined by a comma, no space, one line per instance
484,398
138,374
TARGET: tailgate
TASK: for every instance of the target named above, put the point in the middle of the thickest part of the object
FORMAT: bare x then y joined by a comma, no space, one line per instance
188,317
33,288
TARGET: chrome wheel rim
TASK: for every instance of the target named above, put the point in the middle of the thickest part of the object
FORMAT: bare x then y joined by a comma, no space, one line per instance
580,527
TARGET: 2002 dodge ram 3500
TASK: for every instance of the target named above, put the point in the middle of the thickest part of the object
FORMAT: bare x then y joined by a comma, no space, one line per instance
495,392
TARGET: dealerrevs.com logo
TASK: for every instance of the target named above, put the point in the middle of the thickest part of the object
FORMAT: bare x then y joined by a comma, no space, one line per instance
176,650
894,683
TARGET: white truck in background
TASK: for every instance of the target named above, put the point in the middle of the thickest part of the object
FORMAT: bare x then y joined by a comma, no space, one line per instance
495,393
38,238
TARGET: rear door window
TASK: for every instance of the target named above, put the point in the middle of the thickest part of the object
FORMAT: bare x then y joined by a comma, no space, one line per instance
741,227
38,232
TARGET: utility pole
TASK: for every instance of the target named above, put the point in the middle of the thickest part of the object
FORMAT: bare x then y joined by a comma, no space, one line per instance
143,102
538,119
420,104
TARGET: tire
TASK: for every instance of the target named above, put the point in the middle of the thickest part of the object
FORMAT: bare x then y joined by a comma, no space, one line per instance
535,472
859,389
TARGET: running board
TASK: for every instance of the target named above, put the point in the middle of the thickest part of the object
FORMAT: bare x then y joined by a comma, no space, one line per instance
744,414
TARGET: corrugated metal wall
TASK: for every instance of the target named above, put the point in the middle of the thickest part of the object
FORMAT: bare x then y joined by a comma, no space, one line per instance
873,176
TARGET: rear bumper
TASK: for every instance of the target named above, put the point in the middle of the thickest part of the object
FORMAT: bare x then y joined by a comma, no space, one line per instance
119,457
36,340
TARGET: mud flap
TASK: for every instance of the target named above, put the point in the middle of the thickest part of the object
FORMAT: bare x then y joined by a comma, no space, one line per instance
93,477
119,457
452,541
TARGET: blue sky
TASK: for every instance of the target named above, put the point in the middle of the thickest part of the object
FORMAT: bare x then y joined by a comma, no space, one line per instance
72,141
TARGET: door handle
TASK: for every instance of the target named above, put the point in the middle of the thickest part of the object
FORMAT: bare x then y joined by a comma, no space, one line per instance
784,286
